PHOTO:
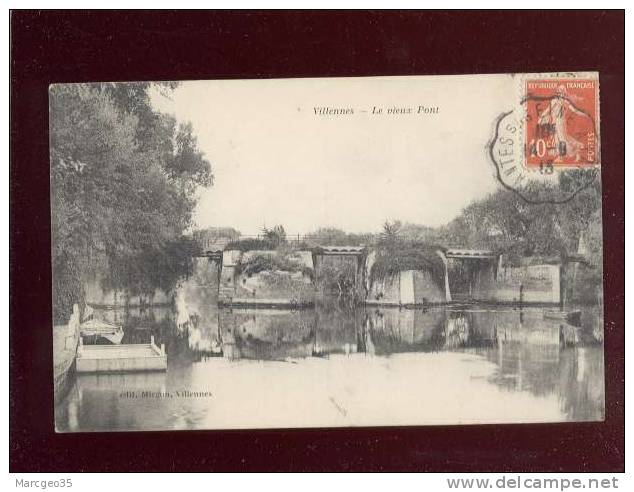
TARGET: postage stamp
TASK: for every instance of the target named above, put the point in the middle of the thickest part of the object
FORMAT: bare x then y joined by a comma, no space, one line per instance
546,147
561,122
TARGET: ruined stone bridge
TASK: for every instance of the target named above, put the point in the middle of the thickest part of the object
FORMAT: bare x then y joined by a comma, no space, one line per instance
464,275
469,275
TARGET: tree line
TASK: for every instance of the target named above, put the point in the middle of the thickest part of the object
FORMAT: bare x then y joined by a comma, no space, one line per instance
502,221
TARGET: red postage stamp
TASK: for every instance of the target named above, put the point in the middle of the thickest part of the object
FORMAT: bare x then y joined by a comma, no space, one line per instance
562,125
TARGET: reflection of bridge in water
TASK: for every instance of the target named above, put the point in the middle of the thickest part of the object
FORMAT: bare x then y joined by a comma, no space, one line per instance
280,334
529,352
517,351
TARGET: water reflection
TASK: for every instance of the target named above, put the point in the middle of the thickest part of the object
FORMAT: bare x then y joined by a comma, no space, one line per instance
510,358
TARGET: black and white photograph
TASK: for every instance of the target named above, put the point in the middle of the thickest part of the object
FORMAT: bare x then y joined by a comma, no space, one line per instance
286,240
328,252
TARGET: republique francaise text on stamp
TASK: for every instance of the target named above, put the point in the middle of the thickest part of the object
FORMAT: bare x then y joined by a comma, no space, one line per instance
551,135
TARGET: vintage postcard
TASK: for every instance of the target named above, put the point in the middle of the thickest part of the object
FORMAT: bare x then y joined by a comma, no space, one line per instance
378,251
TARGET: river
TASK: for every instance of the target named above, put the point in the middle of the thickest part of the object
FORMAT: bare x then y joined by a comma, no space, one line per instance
336,366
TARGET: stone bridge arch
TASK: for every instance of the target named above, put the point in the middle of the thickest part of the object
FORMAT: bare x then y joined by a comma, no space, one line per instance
468,269
341,257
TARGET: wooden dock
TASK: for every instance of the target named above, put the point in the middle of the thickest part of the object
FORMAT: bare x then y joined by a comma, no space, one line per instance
121,358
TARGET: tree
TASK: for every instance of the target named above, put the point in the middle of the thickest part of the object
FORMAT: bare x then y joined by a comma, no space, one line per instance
123,189
417,232
504,222
331,236
389,236
276,236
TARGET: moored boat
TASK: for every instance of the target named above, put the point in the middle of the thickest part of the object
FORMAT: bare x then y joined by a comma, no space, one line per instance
99,328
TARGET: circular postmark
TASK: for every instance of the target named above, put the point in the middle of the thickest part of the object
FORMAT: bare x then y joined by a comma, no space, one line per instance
547,149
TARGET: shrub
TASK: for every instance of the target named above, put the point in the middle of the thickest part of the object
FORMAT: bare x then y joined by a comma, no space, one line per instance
250,245
404,255
277,262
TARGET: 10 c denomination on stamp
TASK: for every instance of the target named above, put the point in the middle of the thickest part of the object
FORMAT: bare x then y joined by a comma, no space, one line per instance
561,126
546,148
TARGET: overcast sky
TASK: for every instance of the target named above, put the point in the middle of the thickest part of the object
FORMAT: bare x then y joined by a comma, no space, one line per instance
276,162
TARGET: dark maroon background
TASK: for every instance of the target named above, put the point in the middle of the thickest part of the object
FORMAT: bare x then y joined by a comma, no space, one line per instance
49,47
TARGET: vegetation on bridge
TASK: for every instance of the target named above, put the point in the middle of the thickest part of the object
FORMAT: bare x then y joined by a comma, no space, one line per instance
271,239
279,261
397,252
